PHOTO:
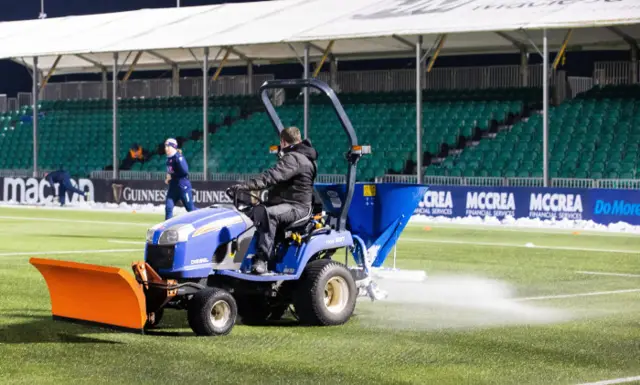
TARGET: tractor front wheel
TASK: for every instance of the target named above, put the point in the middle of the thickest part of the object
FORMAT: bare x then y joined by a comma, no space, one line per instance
326,294
212,312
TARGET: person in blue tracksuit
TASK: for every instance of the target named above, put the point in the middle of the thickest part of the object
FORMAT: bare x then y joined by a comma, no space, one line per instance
64,184
177,179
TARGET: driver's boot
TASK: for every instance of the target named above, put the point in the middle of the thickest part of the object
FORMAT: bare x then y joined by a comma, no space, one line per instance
259,265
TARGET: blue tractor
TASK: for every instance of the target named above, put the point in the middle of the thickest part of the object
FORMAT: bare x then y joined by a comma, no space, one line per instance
199,261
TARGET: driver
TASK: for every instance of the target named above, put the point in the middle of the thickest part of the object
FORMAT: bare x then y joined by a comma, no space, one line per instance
290,198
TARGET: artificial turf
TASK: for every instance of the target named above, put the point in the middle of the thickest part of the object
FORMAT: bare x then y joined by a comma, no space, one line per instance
424,341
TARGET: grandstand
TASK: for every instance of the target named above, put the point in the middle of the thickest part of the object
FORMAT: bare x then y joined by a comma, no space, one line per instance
458,126
591,136
73,130
384,120
594,136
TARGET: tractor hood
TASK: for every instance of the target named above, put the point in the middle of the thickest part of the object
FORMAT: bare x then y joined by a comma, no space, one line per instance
196,223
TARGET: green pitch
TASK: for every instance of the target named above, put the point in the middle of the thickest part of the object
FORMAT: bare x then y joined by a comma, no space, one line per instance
493,312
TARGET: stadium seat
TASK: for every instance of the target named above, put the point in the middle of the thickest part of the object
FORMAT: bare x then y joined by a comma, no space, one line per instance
386,121
594,135
77,134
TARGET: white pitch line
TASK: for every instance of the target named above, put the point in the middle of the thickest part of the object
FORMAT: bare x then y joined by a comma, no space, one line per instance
75,221
127,242
611,274
68,252
520,246
614,381
593,293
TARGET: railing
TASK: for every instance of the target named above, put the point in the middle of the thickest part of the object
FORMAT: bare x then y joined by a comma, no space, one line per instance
612,73
482,77
199,176
3,103
24,99
141,175
15,173
225,85
21,173
575,183
12,104
623,184
579,85
149,88
348,81
437,79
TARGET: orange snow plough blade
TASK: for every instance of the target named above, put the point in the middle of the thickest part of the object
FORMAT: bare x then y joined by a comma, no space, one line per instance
86,293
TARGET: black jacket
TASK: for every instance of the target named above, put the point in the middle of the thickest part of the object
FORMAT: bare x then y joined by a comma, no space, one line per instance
291,179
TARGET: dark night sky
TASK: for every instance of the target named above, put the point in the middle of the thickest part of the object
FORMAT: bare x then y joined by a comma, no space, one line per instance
14,78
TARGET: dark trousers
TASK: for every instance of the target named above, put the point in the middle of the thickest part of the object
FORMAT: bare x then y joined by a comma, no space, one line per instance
269,219
178,194
67,186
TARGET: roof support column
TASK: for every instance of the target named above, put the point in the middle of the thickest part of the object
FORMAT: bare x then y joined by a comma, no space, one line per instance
419,74
114,144
105,91
524,67
634,64
333,72
306,91
249,78
34,98
205,110
545,109
115,116
175,80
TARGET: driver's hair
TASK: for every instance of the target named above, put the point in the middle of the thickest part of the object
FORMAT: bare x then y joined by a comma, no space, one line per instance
291,135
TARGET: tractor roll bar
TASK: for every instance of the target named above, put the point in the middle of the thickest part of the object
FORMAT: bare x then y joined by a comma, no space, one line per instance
352,158
305,83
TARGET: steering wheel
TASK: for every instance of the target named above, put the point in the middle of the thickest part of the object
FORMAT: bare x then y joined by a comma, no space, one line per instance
232,194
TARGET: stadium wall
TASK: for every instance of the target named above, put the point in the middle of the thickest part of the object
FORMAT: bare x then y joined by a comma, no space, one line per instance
602,206
37,191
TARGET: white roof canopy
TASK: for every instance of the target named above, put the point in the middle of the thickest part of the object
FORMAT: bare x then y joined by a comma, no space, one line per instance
273,31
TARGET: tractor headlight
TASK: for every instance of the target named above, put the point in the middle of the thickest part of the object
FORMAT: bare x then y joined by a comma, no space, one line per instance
168,237
175,235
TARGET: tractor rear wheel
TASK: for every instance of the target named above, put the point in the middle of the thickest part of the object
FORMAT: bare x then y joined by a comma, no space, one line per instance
326,294
212,312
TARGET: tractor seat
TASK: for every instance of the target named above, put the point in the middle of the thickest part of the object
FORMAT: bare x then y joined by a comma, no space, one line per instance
300,222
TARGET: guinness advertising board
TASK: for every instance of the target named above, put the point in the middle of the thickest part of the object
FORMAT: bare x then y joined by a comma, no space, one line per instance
37,191
155,192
